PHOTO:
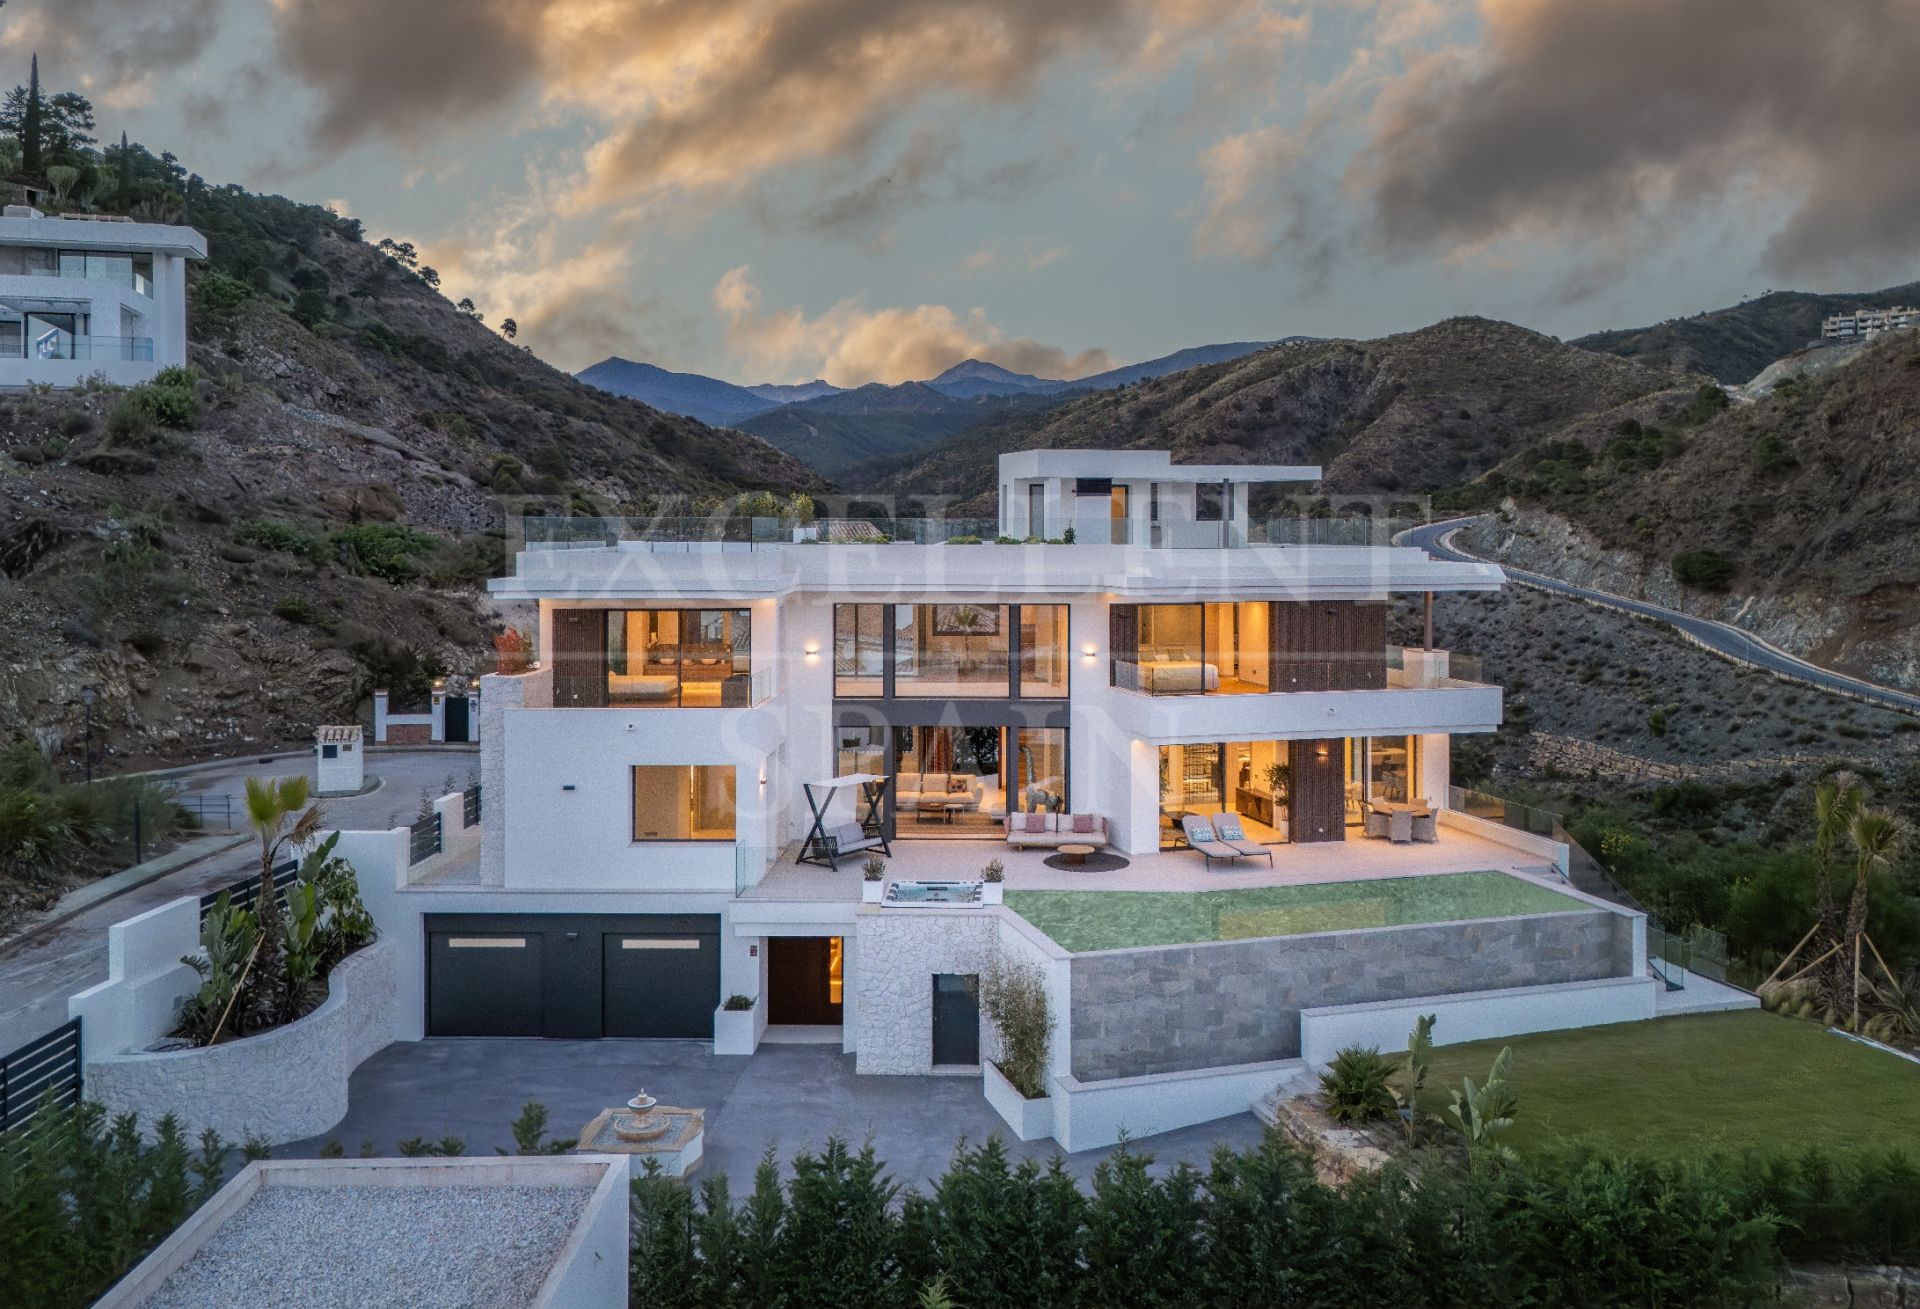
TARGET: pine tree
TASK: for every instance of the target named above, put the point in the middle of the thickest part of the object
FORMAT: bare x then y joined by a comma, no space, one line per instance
30,160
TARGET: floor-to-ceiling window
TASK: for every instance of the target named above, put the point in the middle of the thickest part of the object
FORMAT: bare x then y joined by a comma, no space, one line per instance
949,650
859,650
1247,778
679,657
1383,769
1044,655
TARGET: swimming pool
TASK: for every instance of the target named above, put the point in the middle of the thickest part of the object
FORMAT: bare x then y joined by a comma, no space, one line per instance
1116,920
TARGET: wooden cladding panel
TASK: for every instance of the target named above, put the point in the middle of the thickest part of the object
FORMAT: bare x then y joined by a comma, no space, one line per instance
1329,645
580,658
1318,795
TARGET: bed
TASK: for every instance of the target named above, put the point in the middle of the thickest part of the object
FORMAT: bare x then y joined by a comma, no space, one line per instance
1168,676
641,686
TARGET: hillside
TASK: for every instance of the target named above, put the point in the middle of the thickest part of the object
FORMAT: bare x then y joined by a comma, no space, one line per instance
842,436
1404,414
1796,515
1732,345
236,558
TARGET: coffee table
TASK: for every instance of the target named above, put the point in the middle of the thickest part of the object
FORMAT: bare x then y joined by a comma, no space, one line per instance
940,811
1075,854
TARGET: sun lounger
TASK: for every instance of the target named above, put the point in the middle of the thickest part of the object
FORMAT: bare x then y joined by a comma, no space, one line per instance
1200,837
1227,830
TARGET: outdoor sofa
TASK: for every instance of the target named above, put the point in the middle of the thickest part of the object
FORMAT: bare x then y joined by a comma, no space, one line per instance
1045,831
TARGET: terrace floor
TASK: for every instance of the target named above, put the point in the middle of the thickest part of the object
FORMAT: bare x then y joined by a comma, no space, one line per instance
1174,870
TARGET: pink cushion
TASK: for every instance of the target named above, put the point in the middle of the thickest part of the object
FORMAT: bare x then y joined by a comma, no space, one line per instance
1082,823
1035,823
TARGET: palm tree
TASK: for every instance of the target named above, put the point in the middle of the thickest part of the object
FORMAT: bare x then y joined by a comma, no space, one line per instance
1876,836
271,810
1835,801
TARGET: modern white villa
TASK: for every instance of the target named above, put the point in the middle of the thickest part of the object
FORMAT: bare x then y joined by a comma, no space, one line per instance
84,295
1220,799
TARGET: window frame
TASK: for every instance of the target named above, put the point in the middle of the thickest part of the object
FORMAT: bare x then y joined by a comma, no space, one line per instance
693,789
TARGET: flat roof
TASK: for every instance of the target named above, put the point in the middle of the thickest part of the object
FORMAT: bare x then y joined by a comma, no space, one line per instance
100,234
1133,465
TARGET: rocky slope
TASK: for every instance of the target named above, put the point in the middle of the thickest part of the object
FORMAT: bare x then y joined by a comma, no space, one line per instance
328,521
1795,515
1403,414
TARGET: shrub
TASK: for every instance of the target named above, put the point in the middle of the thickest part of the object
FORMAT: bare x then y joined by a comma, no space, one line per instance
293,608
993,871
128,422
1707,401
1703,569
75,422
1356,1087
1771,454
171,399
1013,996
873,869
389,551
513,652
282,536
738,1003
217,299
963,540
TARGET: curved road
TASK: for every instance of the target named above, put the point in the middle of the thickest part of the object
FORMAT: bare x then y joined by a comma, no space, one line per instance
1723,638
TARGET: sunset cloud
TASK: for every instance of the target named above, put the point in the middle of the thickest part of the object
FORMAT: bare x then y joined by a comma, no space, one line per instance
111,49
851,345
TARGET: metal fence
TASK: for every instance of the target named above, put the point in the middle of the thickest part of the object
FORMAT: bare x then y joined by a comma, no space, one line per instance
245,892
212,813
470,806
423,839
45,1071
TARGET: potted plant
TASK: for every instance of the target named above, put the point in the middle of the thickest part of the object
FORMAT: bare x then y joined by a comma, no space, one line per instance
738,1025
873,876
993,879
1015,1002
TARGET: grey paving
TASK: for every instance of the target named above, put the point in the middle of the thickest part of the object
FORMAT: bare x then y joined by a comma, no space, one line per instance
39,972
787,1097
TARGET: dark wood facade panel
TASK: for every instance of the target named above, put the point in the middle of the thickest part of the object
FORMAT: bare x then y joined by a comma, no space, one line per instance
1319,792
579,658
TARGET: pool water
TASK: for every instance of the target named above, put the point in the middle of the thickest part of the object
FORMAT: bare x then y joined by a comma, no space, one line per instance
1116,920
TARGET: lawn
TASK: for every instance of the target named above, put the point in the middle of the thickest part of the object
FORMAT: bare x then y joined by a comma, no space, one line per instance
1675,1086
1118,920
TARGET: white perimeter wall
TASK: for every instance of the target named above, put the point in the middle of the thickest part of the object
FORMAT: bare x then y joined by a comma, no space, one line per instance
1476,1015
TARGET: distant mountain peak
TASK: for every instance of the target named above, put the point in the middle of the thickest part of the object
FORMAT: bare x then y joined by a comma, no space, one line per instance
979,370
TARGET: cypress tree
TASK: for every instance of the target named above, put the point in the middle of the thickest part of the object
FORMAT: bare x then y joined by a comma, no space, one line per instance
30,161
126,174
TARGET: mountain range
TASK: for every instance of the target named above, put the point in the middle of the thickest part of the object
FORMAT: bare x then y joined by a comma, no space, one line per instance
837,431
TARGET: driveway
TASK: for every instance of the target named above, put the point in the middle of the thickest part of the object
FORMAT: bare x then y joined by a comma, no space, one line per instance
785,1098
38,972
1723,638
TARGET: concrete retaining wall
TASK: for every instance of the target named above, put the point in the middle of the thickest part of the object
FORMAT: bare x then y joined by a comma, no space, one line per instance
140,1001
282,1085
1219,1003
1476,1016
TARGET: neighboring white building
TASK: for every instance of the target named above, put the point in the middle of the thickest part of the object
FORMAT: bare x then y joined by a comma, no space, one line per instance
1867,322
647,806
84,295
339,760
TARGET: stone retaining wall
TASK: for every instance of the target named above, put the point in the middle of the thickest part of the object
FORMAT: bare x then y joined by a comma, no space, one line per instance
899,951
1172,1008
282,1085
1574,755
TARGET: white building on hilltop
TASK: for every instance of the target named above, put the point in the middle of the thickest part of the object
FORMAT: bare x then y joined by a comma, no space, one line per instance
1867,322
82,296
681,793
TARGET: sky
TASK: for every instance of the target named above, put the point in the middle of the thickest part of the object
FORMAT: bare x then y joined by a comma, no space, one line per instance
871,190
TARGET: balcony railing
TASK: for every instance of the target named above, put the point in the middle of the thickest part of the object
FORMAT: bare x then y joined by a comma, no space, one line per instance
1353,672
127,349
750,864
671,535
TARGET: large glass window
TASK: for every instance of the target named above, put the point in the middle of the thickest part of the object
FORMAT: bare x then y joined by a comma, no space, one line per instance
1192,649
1045,657
129,270
1252,779
859,650
683,802
1037,779
689,658
949,650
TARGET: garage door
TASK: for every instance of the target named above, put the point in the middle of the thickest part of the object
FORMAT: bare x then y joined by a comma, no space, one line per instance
572,975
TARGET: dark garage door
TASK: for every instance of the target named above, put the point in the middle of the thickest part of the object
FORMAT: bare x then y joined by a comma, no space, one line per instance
572,975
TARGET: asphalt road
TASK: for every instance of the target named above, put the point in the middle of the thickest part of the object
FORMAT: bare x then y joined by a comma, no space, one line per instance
1436,540
38,973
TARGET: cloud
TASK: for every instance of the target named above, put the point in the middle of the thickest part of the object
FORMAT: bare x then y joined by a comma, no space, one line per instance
1576,121
113,49
851,345
405,71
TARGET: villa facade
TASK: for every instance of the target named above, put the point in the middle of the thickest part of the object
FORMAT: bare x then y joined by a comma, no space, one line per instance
87,296
661,787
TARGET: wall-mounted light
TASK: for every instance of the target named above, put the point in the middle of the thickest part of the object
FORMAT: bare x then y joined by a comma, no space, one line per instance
1087,652
813,649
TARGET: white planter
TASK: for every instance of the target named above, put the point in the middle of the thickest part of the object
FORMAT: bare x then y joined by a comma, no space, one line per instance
738,1031
993,893
283,1084
870,891
1030,1120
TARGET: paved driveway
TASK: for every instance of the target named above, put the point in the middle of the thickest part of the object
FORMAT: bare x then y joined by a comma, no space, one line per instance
786,1097
39,972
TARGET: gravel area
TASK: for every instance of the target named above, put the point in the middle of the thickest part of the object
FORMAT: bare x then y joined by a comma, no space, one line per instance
350,1247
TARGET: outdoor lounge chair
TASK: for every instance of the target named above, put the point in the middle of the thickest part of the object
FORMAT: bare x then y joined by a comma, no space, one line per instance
1227,830
1200,837
846,839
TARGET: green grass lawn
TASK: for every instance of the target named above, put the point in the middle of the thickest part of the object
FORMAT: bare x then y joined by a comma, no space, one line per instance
1117,920
1746,1080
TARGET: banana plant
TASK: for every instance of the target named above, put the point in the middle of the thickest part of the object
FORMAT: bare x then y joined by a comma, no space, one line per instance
1411,1078
1482,1114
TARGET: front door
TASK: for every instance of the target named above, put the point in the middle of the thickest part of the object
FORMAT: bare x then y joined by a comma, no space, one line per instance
456,711
803,981
956,1018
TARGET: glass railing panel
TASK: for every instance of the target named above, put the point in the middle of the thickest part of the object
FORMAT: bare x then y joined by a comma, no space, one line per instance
750,865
